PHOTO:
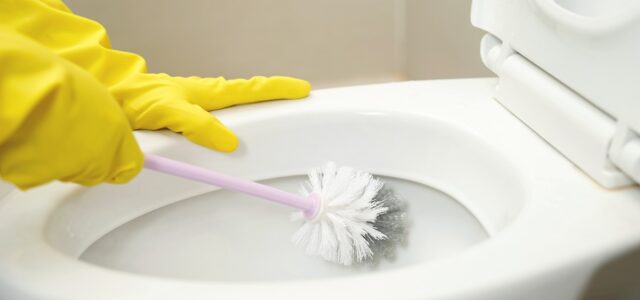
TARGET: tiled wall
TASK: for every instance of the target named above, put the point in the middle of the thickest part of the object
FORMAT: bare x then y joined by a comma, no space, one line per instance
329,42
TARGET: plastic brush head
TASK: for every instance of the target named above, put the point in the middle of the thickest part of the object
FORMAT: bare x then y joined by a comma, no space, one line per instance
359,220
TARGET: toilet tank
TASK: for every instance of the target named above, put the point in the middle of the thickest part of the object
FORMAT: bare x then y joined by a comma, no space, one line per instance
589,51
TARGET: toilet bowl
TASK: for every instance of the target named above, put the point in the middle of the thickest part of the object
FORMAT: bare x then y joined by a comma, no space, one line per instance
496,212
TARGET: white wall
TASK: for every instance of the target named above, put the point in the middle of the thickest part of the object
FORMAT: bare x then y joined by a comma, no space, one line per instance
329,42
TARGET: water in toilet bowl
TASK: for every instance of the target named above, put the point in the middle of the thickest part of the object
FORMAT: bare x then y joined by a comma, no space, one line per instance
226,236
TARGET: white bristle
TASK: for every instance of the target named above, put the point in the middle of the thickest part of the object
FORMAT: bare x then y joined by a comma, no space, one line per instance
339,234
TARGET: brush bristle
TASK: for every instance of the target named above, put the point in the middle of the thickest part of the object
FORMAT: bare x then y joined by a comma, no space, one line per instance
345,229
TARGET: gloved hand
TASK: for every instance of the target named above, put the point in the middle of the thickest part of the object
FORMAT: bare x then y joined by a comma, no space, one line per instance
57,121
154,101
150,101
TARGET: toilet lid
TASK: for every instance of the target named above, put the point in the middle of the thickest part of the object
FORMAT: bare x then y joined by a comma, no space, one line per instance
591,46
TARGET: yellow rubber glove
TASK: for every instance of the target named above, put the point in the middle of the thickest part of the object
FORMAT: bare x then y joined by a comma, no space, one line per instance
154,101
150,101
57,121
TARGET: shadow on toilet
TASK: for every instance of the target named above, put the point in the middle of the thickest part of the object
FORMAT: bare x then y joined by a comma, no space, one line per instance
619,279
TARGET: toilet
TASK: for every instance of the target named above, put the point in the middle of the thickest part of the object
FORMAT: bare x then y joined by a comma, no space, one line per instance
523,186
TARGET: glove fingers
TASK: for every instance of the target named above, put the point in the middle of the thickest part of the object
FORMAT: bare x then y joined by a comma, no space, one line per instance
192,121
216,93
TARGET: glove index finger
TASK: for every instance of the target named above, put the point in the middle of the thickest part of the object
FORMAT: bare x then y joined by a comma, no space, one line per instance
216,93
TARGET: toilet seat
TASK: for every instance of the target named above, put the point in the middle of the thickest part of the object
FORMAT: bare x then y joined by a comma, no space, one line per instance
569,69
562,227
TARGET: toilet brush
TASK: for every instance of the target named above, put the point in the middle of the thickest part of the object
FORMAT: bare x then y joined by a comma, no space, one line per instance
349,216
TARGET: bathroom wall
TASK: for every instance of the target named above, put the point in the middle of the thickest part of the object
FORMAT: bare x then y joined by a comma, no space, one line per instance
441,43
329,42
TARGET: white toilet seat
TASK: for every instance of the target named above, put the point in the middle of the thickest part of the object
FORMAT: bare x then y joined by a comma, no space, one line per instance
563,227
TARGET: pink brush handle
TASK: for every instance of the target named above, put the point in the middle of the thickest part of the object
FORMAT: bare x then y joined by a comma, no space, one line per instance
309,206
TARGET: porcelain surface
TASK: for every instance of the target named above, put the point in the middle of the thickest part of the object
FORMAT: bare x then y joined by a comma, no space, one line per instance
548,226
